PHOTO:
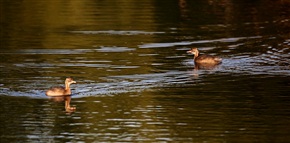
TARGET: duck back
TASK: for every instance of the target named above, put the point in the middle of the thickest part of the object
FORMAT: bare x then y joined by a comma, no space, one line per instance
208,59
57,91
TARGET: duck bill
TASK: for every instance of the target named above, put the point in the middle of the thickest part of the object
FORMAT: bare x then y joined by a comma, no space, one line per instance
189,52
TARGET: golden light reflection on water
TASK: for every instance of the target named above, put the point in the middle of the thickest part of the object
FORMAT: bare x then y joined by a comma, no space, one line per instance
136,83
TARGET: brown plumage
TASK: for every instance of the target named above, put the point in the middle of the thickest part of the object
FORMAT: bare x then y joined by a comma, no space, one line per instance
204,59
60,90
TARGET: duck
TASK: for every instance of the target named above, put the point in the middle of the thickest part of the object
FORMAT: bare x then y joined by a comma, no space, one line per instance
204,59
60,90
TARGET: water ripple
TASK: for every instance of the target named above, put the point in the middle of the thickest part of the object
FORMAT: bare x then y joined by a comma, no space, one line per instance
115,49
185,43
114,32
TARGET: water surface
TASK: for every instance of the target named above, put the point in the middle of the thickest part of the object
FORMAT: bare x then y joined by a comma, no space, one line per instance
135,81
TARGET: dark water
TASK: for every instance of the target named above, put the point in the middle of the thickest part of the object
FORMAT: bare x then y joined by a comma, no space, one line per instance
135,82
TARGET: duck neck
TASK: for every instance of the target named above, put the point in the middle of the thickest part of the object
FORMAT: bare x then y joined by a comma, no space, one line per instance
67,86
195,55
67,89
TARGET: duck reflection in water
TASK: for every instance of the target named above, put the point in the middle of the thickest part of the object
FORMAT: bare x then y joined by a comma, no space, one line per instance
60,93
67,100
207,62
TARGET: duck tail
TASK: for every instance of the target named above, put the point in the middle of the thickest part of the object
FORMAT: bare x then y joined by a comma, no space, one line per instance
217,59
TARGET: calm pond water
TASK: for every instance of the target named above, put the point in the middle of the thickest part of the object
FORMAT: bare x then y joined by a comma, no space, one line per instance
135,81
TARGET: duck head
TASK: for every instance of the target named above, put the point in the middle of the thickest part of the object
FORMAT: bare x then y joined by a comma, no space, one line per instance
69,81
193,51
